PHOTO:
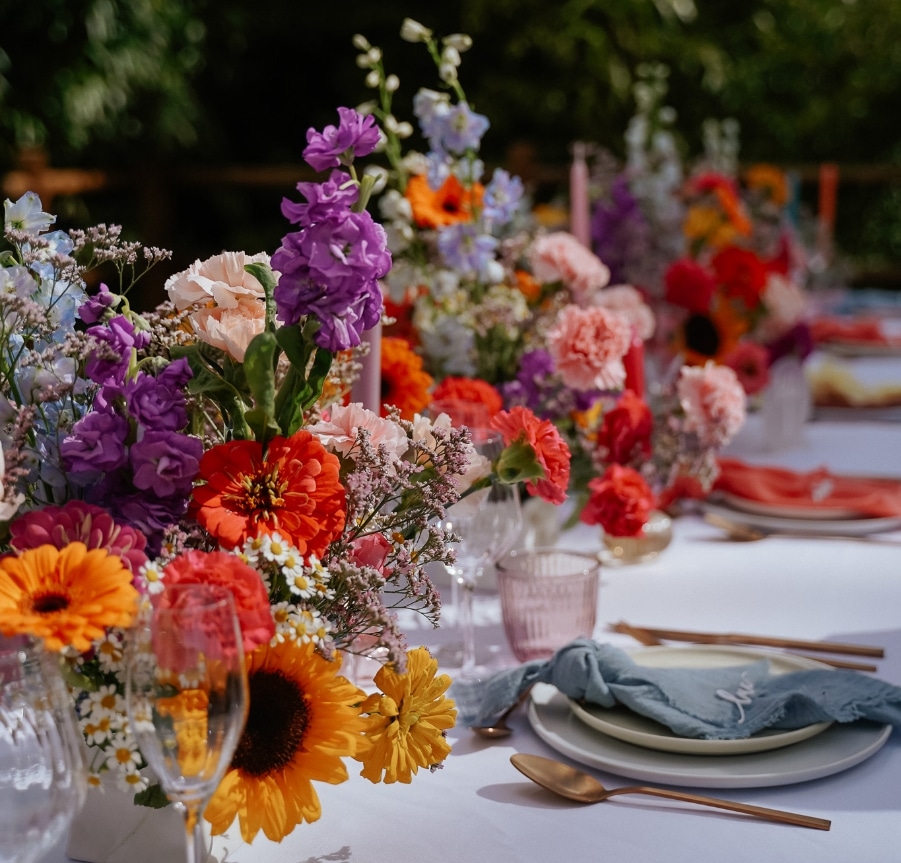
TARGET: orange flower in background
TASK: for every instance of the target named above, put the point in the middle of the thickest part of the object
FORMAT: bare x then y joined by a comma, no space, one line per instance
450,204
769,181
469,390
528,285
405,384
66,597
401,315
293,489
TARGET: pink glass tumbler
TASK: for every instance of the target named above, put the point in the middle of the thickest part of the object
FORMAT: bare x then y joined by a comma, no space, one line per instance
548,598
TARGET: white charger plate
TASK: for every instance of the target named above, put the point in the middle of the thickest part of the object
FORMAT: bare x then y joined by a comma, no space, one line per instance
817,513
624,724
862,526
838,748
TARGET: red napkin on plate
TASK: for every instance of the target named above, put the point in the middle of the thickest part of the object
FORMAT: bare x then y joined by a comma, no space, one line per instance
816,489
865,330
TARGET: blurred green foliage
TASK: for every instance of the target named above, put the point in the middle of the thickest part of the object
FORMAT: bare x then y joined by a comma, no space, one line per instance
127,84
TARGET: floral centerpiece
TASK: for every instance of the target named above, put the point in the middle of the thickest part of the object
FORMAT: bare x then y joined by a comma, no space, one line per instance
211,440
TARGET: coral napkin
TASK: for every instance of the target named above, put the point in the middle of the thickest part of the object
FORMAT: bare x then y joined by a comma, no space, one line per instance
867,331
816,489
711,703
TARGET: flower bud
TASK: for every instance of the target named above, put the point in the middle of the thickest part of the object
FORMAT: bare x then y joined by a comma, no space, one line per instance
447,72
360,42
459,41
451,55
392,82
373,79
413,31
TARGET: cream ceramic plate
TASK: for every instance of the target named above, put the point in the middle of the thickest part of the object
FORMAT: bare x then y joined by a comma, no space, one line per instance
623,724
838,748
862,526
817,513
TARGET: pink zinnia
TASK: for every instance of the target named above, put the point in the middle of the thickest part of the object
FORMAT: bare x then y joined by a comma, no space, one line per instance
714,402
588,345
77,521
551,450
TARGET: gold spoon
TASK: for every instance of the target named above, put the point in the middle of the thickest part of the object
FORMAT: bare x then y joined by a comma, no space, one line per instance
500,727
746,533
579,786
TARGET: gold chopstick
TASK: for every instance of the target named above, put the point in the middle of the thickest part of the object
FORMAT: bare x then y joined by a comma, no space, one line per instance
757,640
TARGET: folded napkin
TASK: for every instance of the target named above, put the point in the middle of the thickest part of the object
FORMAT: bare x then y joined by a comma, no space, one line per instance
864,330
835,385
714,704
813,490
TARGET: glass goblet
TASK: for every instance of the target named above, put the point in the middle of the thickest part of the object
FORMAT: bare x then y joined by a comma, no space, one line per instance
187,696
42,776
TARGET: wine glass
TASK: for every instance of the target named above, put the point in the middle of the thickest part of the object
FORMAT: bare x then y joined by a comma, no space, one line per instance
488,524
187,696
42,775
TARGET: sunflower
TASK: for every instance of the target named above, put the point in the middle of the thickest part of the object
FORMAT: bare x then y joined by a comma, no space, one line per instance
292,489
407,720
450,204
405,384
712,335
303,721
67,596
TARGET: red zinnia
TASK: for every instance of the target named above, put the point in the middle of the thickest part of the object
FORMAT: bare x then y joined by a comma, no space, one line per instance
550,449
292,489
688,285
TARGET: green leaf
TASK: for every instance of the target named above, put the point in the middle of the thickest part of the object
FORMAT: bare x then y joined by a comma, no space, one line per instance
153,797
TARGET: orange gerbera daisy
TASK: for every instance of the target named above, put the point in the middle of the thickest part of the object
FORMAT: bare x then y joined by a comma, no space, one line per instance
303,721
405,384
66,597
450,204
292,489
407,720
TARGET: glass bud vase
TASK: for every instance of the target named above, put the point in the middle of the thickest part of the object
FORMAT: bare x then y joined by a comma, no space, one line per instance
623,550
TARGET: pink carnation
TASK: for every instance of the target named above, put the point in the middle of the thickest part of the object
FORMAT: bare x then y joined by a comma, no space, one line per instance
76,521
339,432
371,550
560,257
627,301
588,345
220,279
231,329
714,402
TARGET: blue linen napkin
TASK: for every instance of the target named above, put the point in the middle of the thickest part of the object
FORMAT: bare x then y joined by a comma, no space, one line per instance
710,703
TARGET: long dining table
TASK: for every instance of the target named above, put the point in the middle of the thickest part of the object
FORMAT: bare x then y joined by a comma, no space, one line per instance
478,807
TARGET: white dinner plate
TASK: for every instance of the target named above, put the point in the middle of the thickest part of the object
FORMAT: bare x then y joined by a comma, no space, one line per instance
861,526
861,349
816,513
838,748
624,724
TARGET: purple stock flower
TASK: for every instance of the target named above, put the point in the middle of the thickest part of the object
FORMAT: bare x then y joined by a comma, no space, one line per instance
119,336
466,249
155,404
355,135
165,463
96,443
324,200
330,270
94,308
619,230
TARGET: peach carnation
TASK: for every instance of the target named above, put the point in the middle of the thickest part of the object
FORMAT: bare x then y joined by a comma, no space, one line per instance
231,329
220,279
713,400
560,257
588,345
338,433
628,302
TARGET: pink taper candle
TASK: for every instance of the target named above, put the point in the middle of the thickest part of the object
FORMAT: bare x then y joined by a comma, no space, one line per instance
579,219
368,386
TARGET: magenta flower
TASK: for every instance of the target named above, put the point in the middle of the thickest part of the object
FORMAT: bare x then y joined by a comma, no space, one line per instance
76,521
355,135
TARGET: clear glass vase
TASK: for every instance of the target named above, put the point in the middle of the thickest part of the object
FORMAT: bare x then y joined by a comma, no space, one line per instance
623,550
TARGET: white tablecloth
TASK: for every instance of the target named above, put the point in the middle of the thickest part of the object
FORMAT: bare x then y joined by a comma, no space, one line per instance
479,808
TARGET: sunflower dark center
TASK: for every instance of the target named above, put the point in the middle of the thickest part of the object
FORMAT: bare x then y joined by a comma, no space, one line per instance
276,724
701,335
50,602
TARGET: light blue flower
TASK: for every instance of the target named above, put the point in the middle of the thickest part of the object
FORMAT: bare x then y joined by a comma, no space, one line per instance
461,129
502,198
466,249
26,214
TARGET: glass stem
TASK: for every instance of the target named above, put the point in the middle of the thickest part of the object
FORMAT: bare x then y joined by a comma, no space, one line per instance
196,840
467,624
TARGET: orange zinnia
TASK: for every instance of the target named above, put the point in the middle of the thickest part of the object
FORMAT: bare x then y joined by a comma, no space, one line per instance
404,382
67,596
469,390
450,204
292,489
